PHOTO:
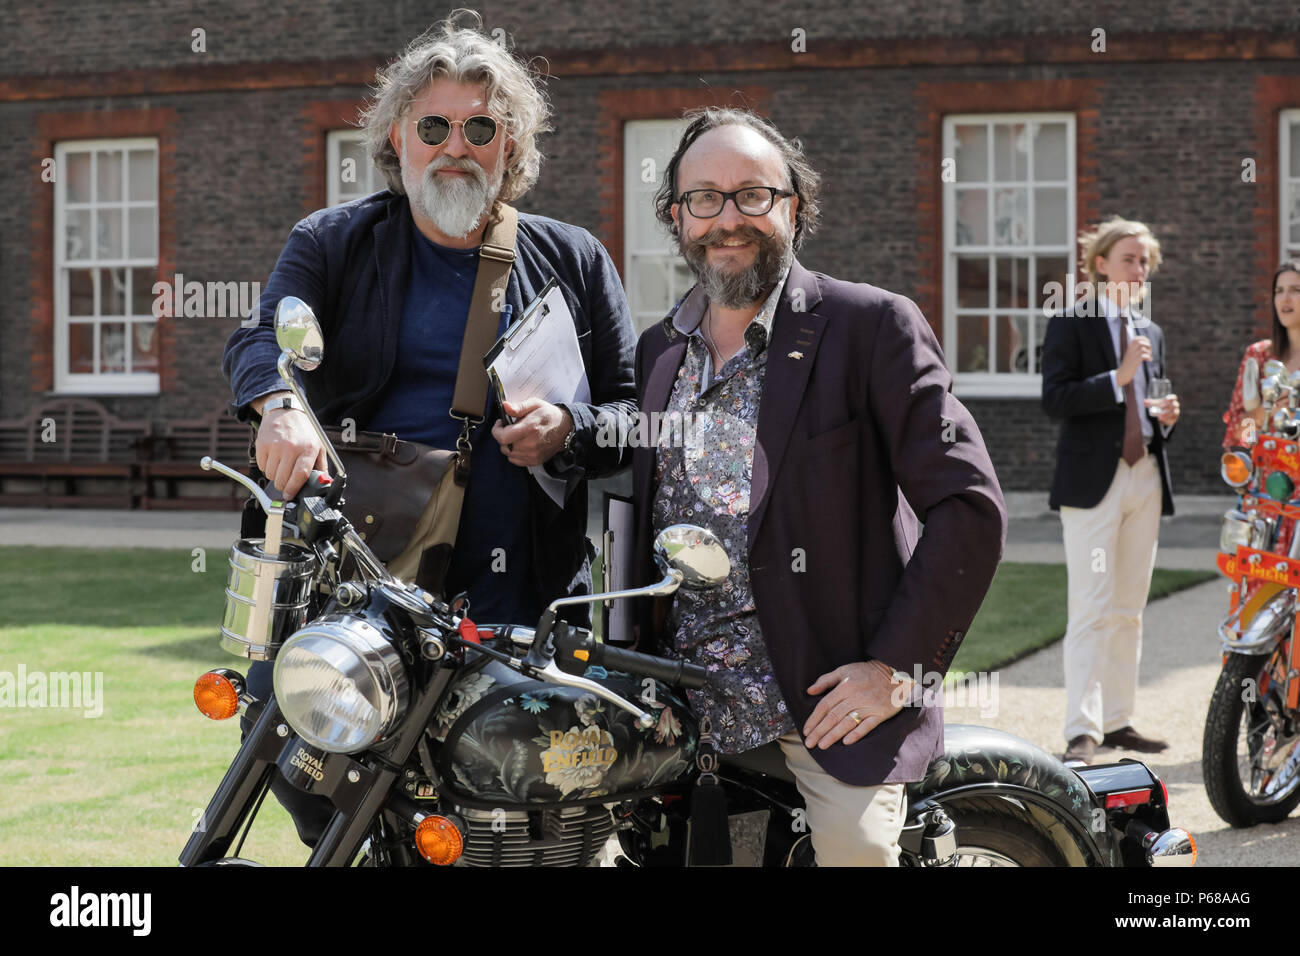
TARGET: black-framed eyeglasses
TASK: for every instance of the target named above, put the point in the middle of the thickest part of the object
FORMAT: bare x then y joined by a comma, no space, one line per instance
752,200
477,130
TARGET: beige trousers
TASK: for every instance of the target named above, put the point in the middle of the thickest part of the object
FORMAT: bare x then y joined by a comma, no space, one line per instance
849,826
1110,551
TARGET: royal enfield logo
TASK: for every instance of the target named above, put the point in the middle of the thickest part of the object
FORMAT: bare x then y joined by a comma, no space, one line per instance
588,747
308,764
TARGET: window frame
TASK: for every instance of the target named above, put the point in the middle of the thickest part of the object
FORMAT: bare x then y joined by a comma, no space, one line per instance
374,179
634,204
1003,384
65,381
1287,119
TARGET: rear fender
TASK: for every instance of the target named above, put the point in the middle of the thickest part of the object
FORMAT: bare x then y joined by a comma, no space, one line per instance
983,762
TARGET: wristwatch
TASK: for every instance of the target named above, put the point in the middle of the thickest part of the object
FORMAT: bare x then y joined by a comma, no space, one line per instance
896,676
568,439
284,401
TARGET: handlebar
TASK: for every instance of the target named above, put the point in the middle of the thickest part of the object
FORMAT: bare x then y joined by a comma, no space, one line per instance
575,650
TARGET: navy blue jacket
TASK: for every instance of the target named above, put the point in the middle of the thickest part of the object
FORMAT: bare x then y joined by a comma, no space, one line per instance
351,265
1078,356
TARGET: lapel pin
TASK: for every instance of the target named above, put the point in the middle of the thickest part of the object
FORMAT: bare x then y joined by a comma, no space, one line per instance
796,355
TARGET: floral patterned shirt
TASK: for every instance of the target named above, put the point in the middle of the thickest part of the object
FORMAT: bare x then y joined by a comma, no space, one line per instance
703,473
1234,435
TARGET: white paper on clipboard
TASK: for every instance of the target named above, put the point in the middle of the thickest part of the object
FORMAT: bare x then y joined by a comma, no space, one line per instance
538,357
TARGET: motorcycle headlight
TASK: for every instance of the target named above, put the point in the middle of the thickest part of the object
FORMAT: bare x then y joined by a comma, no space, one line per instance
340,683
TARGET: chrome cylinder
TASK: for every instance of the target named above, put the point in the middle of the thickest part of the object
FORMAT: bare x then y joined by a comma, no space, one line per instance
254,633
1240,528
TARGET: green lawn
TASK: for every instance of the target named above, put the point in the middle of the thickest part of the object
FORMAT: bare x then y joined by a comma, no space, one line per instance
1026,609
126,786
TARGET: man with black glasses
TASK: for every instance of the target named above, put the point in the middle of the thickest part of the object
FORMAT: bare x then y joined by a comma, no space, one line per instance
823,428
453,128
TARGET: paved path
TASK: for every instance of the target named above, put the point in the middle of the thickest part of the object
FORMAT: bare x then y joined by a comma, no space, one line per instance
1179,667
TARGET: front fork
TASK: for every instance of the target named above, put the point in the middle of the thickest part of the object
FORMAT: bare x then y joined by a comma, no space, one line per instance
359,794
1292,690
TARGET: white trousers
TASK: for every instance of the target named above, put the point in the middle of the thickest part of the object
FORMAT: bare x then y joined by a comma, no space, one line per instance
849,826
1110,551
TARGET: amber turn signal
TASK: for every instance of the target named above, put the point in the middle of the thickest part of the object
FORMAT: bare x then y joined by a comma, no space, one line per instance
1236,468
439,840
216,694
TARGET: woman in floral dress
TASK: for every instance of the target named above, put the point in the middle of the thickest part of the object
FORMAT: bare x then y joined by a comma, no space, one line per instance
1242,426
1286,322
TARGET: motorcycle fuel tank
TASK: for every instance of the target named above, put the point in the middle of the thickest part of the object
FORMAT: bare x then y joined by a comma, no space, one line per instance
506,740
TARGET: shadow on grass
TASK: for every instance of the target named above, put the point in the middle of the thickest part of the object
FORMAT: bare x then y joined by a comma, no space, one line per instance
198,650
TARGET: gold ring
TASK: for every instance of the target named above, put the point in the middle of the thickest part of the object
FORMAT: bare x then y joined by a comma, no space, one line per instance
854,715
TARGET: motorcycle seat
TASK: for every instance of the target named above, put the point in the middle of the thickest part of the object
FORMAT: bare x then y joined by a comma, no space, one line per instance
766,759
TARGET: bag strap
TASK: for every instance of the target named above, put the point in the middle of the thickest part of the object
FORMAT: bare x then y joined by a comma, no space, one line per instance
495,257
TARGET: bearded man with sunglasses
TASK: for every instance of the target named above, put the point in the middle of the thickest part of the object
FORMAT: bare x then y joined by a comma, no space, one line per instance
453,129
823,429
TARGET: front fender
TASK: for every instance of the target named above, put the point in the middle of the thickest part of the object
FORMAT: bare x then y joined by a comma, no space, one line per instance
981,761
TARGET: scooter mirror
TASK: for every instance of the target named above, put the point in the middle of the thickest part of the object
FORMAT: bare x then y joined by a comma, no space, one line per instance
297,330
1250,385
695,552
1270,389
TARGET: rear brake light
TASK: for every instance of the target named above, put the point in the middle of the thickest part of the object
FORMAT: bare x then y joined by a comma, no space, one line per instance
1128,798
1164,790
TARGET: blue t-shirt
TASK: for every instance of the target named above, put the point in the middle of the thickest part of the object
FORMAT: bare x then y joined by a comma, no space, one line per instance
493,554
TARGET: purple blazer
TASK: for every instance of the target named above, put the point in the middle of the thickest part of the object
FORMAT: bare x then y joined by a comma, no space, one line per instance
858,438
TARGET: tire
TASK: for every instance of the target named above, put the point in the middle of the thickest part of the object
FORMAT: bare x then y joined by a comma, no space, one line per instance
992,834
1250,756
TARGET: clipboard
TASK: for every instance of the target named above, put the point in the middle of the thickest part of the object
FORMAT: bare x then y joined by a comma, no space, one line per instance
536,310
616,617
537,358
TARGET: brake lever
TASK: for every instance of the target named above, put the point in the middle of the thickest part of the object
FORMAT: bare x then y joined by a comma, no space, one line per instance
554,675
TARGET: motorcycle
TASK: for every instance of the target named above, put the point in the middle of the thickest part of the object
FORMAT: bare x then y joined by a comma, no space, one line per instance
439,741
1251,748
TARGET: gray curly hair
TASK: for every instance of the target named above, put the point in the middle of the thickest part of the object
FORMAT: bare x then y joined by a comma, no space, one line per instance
466,55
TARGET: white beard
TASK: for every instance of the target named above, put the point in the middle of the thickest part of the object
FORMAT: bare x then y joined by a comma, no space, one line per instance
454,204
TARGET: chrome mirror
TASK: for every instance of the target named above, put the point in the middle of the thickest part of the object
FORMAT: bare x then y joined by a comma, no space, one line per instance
297,330
1269,389
695,552
1275,369
1250,385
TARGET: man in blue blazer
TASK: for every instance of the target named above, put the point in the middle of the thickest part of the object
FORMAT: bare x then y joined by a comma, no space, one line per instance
390,277
820,428
1100,360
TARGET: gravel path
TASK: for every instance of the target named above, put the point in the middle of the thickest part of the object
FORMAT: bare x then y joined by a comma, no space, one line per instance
1180,664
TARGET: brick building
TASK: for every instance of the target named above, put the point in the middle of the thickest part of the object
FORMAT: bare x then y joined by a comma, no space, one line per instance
188,140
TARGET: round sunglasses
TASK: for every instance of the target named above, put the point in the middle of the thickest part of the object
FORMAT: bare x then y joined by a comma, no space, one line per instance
477,130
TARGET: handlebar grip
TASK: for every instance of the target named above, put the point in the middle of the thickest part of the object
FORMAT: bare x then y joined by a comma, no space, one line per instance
660,668
317,485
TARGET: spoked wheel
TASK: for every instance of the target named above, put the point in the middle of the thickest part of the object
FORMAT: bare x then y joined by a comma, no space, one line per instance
1251,752
989,834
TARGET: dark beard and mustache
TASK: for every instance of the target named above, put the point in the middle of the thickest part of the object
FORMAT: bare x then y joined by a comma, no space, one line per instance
738,288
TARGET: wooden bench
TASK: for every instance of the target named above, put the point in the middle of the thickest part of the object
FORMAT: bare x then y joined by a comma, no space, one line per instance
178,450
66,440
